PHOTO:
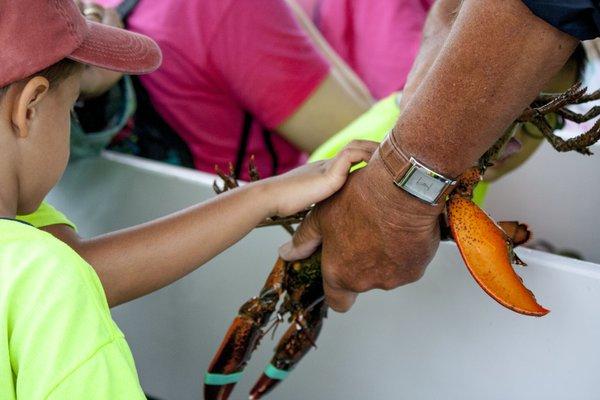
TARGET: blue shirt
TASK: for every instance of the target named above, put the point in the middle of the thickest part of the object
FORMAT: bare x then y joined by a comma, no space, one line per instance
578,18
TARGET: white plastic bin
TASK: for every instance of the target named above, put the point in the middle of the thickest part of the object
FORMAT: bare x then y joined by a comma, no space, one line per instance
441,338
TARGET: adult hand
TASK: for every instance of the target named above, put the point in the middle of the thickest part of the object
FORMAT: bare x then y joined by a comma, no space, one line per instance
374,234
97,81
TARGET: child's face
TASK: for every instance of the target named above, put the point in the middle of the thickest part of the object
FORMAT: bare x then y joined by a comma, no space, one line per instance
46,152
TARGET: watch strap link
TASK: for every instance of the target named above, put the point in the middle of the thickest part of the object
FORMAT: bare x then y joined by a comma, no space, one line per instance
395,161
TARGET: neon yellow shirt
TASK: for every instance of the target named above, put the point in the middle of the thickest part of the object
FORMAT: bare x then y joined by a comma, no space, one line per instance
46,215
57,337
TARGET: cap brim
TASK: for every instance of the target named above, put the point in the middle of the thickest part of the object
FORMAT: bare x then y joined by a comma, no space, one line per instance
118,50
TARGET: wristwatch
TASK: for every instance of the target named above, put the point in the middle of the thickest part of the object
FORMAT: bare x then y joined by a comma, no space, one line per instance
412,176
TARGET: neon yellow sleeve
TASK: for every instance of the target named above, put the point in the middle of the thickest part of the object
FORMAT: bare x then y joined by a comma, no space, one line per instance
46,215
372,125
480,193
375,125
109,374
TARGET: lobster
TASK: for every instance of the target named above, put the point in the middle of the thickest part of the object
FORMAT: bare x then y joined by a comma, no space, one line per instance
486,247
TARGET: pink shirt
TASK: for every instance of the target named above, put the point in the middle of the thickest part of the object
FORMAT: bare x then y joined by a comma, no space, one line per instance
221,59
379,39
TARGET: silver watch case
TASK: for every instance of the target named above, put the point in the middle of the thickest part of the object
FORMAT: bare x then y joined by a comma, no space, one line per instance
424,183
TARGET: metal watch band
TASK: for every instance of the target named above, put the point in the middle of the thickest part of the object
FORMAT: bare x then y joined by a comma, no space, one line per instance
401,168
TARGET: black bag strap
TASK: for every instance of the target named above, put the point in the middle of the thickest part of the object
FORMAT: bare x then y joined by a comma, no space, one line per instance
241,152
268,139
243,146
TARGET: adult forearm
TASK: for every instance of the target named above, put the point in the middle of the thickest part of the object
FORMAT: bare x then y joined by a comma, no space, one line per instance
495,60
435,31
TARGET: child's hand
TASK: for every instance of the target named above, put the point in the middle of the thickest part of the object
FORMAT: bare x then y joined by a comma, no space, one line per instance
298,189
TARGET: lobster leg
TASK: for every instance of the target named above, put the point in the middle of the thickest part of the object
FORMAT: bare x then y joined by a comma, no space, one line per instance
579,143
295,343
517,232
242,337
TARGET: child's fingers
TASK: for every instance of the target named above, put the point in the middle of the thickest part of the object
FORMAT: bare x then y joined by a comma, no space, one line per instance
305,241
356,151
366,145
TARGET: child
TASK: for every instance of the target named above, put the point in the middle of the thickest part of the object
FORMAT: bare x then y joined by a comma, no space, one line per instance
57,338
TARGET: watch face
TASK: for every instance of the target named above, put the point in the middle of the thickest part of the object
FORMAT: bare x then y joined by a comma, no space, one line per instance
424,183
426,187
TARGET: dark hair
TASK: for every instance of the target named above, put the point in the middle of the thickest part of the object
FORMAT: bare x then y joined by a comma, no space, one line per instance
55,73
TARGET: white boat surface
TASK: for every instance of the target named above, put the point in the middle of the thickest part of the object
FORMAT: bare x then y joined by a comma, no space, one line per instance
440,338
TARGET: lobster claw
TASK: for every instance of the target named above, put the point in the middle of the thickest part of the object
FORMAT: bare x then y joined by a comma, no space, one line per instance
227,367
487,251
295,343
302,284
242,338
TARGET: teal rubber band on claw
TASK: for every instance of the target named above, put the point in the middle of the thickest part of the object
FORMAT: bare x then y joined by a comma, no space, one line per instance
221,379
276,373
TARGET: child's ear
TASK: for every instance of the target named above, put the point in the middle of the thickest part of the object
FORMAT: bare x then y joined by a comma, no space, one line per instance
26,105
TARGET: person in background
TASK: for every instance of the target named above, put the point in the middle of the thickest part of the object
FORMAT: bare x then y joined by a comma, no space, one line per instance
378,39
242,78
107,99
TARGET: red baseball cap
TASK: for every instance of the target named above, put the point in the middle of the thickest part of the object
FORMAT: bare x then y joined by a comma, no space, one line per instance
35,34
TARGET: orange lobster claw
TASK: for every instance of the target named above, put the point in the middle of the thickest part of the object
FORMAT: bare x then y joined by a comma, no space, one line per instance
487,252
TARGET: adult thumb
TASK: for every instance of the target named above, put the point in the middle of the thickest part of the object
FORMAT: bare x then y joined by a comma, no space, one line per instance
306,240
